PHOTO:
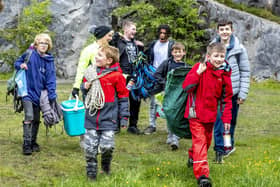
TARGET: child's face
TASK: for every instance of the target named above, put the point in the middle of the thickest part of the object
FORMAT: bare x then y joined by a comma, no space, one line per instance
101,59
216,59
178,54
130,31
43,46
225,32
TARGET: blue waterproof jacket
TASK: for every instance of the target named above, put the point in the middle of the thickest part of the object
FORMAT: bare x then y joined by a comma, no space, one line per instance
40,75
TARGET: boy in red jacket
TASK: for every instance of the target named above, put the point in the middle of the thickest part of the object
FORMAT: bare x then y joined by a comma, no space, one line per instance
106,102
208,85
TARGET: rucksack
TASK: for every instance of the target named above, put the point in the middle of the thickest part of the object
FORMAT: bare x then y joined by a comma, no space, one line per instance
12,88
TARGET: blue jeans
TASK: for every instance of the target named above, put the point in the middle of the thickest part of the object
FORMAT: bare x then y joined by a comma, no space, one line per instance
219,127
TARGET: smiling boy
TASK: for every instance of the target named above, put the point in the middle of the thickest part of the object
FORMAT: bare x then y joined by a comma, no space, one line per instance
236,56
106,101
178,51
208,84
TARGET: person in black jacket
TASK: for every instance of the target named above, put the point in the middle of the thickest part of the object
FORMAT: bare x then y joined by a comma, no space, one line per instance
129,49
176,60
158,51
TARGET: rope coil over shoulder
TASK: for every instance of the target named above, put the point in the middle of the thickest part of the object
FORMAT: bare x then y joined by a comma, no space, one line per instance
95,98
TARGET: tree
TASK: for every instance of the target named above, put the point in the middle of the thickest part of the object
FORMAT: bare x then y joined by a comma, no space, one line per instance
181,15
33,20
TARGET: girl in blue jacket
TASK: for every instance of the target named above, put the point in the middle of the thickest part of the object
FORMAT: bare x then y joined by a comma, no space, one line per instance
40,75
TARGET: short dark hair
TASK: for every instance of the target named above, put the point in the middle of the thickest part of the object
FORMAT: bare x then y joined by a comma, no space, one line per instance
166,28
216,47
224,22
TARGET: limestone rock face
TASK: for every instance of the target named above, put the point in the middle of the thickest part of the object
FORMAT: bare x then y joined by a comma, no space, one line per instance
260,37
71,21
273,5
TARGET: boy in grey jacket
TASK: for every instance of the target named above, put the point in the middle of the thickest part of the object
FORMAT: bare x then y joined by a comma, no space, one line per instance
236,56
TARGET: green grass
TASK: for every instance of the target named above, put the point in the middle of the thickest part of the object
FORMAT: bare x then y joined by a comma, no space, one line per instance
261,12
146,160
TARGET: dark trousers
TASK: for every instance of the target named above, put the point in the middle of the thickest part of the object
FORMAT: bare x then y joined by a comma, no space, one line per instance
219,127
134,109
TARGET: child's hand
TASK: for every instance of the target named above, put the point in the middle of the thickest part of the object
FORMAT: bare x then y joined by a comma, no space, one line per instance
87,85
201,68
227,126
23,66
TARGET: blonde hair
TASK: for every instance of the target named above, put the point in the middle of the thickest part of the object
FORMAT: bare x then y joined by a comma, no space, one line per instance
127,23
216,47
43,36
111,52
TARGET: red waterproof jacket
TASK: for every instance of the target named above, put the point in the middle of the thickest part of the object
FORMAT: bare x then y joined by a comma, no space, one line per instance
116,101
208,89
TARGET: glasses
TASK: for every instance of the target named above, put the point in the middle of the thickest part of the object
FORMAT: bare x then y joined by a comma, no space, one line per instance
162,33
43,43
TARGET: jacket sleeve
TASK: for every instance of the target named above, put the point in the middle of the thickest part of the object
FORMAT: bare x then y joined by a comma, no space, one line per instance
19,61
115,39
244,70
51,80
192,79
84,61
226,101
122,94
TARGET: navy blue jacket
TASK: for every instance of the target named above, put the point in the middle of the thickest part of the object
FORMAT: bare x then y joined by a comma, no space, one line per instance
40,75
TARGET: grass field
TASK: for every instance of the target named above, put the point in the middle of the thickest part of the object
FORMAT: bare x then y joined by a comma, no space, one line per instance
146,160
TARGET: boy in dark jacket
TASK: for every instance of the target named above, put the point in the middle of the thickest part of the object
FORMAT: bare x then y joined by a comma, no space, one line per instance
104,82
178,52
40,75
208,85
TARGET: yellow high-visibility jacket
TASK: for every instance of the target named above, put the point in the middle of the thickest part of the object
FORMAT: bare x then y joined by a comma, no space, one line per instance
87,56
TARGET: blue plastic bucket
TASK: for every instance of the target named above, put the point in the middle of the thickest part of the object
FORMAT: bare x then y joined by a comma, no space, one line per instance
73,117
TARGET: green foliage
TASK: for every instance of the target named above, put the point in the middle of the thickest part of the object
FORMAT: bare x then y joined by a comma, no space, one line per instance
264,13
181,15
33,20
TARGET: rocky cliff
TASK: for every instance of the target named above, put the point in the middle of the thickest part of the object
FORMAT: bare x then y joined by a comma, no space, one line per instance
71,21
260,37
72,18
272,5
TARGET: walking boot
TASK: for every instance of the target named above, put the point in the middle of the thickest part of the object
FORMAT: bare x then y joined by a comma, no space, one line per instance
26,147
35,146
106,158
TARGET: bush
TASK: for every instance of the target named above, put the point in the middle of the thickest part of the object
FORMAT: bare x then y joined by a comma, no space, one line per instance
181,15
33,20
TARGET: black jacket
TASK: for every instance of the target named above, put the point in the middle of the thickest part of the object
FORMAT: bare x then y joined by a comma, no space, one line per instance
150,51
161,74
121,44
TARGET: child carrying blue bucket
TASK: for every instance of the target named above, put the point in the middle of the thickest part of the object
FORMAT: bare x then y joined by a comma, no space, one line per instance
106,103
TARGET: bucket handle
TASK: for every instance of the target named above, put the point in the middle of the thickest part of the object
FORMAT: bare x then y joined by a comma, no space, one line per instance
77,102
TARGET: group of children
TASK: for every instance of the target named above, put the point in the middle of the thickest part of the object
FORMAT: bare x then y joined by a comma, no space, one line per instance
208,85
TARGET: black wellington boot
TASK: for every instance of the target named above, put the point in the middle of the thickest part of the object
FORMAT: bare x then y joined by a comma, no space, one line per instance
35,129
26,147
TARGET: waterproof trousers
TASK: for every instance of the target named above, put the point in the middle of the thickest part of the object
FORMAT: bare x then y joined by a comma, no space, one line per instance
93,139
201,141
